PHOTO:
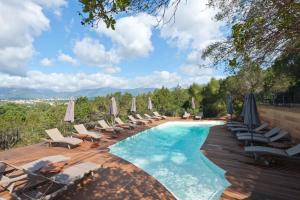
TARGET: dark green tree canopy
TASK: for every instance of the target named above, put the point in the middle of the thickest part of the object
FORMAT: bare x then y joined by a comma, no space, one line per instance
264,29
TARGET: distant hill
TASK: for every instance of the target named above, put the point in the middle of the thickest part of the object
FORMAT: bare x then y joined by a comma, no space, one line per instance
25,93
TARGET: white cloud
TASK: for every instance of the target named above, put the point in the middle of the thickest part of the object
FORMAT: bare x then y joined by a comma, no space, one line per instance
46,62
132,35
91,52
79,81
54,5
112,70
193,27
198,74
61,81
20,21
157,79
66,58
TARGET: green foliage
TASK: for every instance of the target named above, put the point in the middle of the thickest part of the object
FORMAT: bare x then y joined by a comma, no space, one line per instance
214,103
94,11
263,29
32,120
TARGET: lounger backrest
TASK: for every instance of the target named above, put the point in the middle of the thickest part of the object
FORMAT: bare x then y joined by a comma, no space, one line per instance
293,150
280,135
42,162
131,118
54,134
103,124
119,121
147,115
156,114
80,129
261,127
272,132
139,116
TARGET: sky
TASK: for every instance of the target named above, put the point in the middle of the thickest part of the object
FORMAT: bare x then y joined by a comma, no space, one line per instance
44,46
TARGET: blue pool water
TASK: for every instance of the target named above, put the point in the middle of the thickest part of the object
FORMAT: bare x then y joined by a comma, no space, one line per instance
170,153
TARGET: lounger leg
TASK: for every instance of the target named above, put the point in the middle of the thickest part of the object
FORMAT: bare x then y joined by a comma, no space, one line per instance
69,147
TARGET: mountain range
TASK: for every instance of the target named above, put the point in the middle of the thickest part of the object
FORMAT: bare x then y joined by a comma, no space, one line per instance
25,93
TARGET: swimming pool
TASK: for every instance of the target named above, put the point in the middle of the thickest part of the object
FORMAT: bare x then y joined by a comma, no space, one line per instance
170,153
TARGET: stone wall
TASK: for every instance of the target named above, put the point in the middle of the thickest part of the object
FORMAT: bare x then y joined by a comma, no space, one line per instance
282,117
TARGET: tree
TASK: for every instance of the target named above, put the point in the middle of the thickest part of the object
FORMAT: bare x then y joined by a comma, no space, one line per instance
264,29
214,100
94,11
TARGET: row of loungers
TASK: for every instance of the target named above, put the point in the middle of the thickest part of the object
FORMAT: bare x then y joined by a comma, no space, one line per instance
81,132
47,177
187,115
265,139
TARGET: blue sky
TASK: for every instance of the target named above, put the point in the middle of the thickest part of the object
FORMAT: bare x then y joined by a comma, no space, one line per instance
46,47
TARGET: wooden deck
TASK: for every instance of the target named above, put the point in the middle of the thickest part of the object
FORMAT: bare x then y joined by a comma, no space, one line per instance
118,179
249,179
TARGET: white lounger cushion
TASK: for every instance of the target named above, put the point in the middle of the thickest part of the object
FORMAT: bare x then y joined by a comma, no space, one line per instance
260,149
75,172
270,133
151,117
40,163
158,115
82,130
57,137
141,118
137,120
240,129
274,138
120,122
293,150
69,140
105,126
269,150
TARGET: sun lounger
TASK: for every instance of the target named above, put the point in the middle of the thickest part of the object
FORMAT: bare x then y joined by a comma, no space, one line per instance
186,115
282,134
137,121
235,125
138,116
267,134
124,125
156,114
244,129
198,116
51,187
57,137
81,130
290,152
106,127
152,117
10,174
